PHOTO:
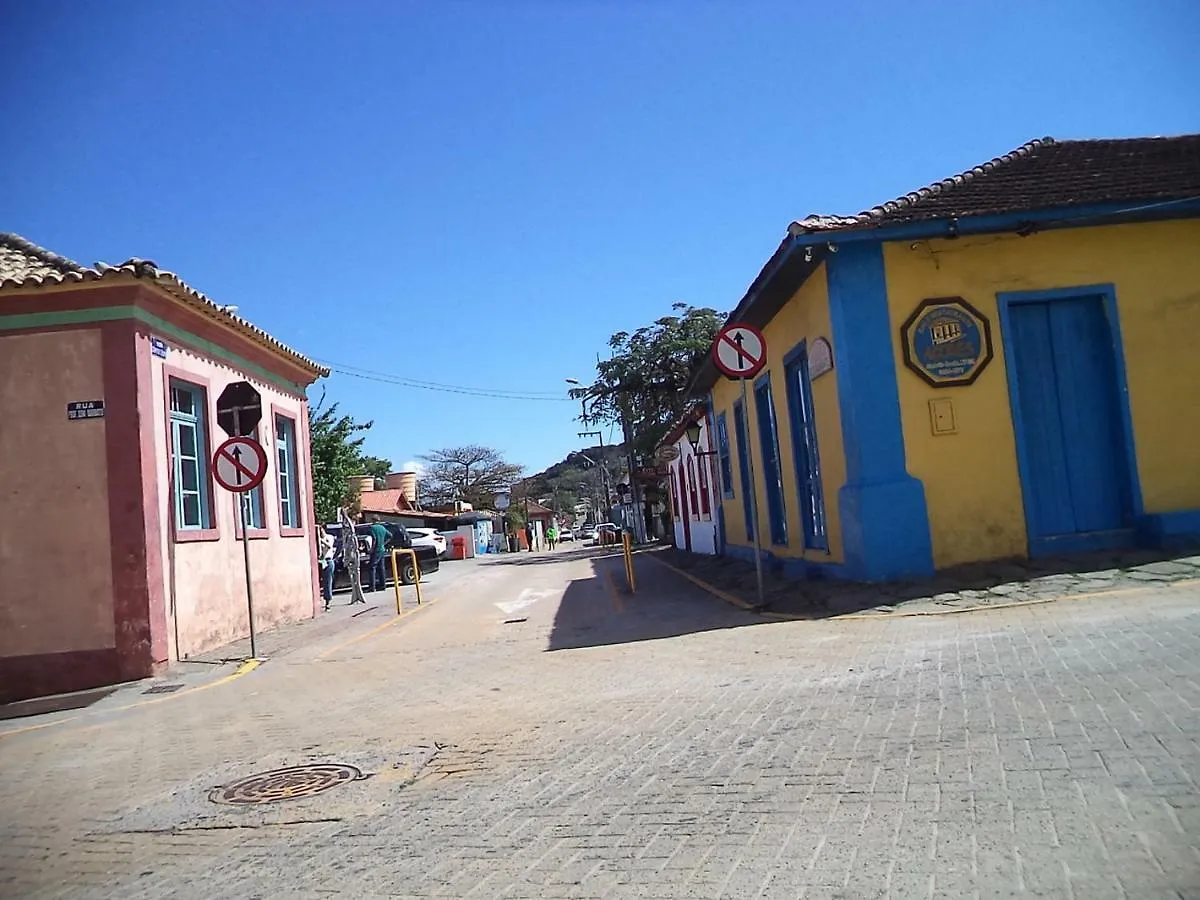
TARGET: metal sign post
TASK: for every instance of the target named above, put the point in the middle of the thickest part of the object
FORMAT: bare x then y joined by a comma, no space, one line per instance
740,352
239,466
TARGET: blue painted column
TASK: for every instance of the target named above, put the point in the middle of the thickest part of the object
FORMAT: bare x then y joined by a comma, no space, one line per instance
884,521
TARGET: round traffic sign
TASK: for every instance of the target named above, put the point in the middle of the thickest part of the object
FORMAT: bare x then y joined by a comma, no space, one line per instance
740,351
240,464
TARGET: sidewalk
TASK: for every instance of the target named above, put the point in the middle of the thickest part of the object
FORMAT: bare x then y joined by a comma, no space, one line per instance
999,583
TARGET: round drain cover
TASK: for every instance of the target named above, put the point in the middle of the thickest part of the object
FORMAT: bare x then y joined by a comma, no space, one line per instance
286,784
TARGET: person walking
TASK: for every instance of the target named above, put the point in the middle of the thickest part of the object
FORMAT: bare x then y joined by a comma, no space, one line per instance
551,535
325,550
379,542
529,535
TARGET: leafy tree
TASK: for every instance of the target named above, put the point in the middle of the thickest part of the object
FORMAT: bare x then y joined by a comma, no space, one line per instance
473,474
336,443
647,377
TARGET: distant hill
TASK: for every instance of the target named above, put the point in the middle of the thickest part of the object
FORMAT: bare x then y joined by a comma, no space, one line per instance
609,454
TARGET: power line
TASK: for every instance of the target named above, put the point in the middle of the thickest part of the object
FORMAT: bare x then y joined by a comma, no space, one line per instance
385,378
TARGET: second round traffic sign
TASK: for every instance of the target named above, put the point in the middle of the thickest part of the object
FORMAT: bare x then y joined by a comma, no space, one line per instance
240,464
739,351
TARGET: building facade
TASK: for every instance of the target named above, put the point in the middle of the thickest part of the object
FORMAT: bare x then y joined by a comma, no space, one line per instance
999,365
119,552
693,480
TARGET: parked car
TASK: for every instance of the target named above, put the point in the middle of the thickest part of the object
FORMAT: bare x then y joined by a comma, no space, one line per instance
399,540
607,533
566,535
587,533
428,537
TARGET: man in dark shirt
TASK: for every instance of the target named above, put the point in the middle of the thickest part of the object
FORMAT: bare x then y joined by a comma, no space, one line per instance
379,551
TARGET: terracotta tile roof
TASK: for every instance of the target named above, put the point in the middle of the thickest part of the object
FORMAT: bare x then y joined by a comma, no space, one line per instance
393,502
25,264
1044,174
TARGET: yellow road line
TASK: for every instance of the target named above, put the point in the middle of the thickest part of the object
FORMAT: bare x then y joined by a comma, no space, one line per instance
325,654
244,669
617,602
729,598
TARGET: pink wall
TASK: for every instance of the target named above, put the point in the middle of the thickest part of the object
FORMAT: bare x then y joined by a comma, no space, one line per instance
56,593
203,580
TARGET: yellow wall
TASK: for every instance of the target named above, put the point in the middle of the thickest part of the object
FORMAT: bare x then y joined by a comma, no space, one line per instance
806,316
971,482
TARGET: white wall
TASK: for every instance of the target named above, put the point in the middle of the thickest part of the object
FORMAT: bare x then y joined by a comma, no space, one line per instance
702,522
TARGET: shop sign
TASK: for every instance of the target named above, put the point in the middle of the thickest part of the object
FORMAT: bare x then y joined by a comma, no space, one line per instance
947,342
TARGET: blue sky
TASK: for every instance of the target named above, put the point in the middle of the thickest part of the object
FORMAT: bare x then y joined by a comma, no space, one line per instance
479,193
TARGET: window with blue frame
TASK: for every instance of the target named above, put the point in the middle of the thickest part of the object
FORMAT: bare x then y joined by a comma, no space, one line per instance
723,456
189,456
768,437
743,448
289,495
255,510
802,414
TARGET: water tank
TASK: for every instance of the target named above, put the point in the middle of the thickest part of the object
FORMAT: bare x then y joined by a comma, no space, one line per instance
362,482
406,482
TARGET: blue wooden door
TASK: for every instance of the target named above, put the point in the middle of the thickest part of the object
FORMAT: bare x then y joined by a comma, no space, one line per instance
1067,406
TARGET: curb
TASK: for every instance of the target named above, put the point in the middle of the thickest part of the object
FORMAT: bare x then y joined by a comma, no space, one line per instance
734,600
731,599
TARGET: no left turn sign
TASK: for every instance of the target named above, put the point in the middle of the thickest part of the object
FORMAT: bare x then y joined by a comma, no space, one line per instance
740,351
240,464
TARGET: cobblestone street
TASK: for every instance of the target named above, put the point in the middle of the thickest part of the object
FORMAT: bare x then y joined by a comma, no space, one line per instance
535,733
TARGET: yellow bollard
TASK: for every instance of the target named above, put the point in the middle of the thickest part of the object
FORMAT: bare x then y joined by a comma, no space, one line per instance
627,543
416,575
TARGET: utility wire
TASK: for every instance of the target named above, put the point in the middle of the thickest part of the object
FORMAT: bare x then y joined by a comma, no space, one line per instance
386,378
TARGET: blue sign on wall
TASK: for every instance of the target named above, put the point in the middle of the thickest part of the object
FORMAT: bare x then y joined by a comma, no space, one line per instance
158,347
947,342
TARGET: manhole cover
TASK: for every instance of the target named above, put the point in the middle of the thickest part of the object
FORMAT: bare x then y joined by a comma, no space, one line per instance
163,689
286,784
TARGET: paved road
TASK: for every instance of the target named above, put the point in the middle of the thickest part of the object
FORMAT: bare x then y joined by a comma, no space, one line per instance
535,734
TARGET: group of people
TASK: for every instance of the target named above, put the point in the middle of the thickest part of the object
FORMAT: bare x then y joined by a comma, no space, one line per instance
330,549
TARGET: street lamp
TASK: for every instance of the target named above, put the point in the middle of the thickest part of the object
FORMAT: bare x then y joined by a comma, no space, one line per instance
693,436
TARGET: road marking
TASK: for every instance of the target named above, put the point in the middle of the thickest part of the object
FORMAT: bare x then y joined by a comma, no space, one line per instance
325,654
525,599
617,602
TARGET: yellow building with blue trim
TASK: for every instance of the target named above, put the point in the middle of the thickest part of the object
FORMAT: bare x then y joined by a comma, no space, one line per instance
1002,364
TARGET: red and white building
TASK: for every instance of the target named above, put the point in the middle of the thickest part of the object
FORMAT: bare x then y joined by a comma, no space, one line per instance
693,480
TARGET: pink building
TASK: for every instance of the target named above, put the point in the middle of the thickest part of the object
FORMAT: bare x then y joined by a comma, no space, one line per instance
118,552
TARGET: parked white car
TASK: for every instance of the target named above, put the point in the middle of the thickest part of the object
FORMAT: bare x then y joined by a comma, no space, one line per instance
428,537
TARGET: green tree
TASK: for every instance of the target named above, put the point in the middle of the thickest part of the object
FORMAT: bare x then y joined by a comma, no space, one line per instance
473,474
336,443
647,377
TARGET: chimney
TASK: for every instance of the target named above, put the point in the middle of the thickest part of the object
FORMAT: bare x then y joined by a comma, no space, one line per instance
406,482
364,483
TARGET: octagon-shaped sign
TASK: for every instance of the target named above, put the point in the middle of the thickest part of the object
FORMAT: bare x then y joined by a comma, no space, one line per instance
946,341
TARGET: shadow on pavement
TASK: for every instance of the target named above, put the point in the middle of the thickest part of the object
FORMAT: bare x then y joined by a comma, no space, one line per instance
599,611
58,703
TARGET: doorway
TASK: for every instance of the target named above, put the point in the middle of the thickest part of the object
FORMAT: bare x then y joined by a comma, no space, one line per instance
1071,419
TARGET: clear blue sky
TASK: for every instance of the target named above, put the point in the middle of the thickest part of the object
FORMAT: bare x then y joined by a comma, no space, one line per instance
481,193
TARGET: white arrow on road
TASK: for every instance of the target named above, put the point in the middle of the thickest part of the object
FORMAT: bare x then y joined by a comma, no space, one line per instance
524,600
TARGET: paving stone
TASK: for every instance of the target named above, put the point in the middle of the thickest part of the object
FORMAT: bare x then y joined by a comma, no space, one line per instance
692,750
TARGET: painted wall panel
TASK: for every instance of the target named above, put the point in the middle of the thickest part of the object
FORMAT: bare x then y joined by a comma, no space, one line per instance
55,554
971,481
804,317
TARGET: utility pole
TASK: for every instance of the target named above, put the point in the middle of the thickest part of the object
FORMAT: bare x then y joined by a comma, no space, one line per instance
639,508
